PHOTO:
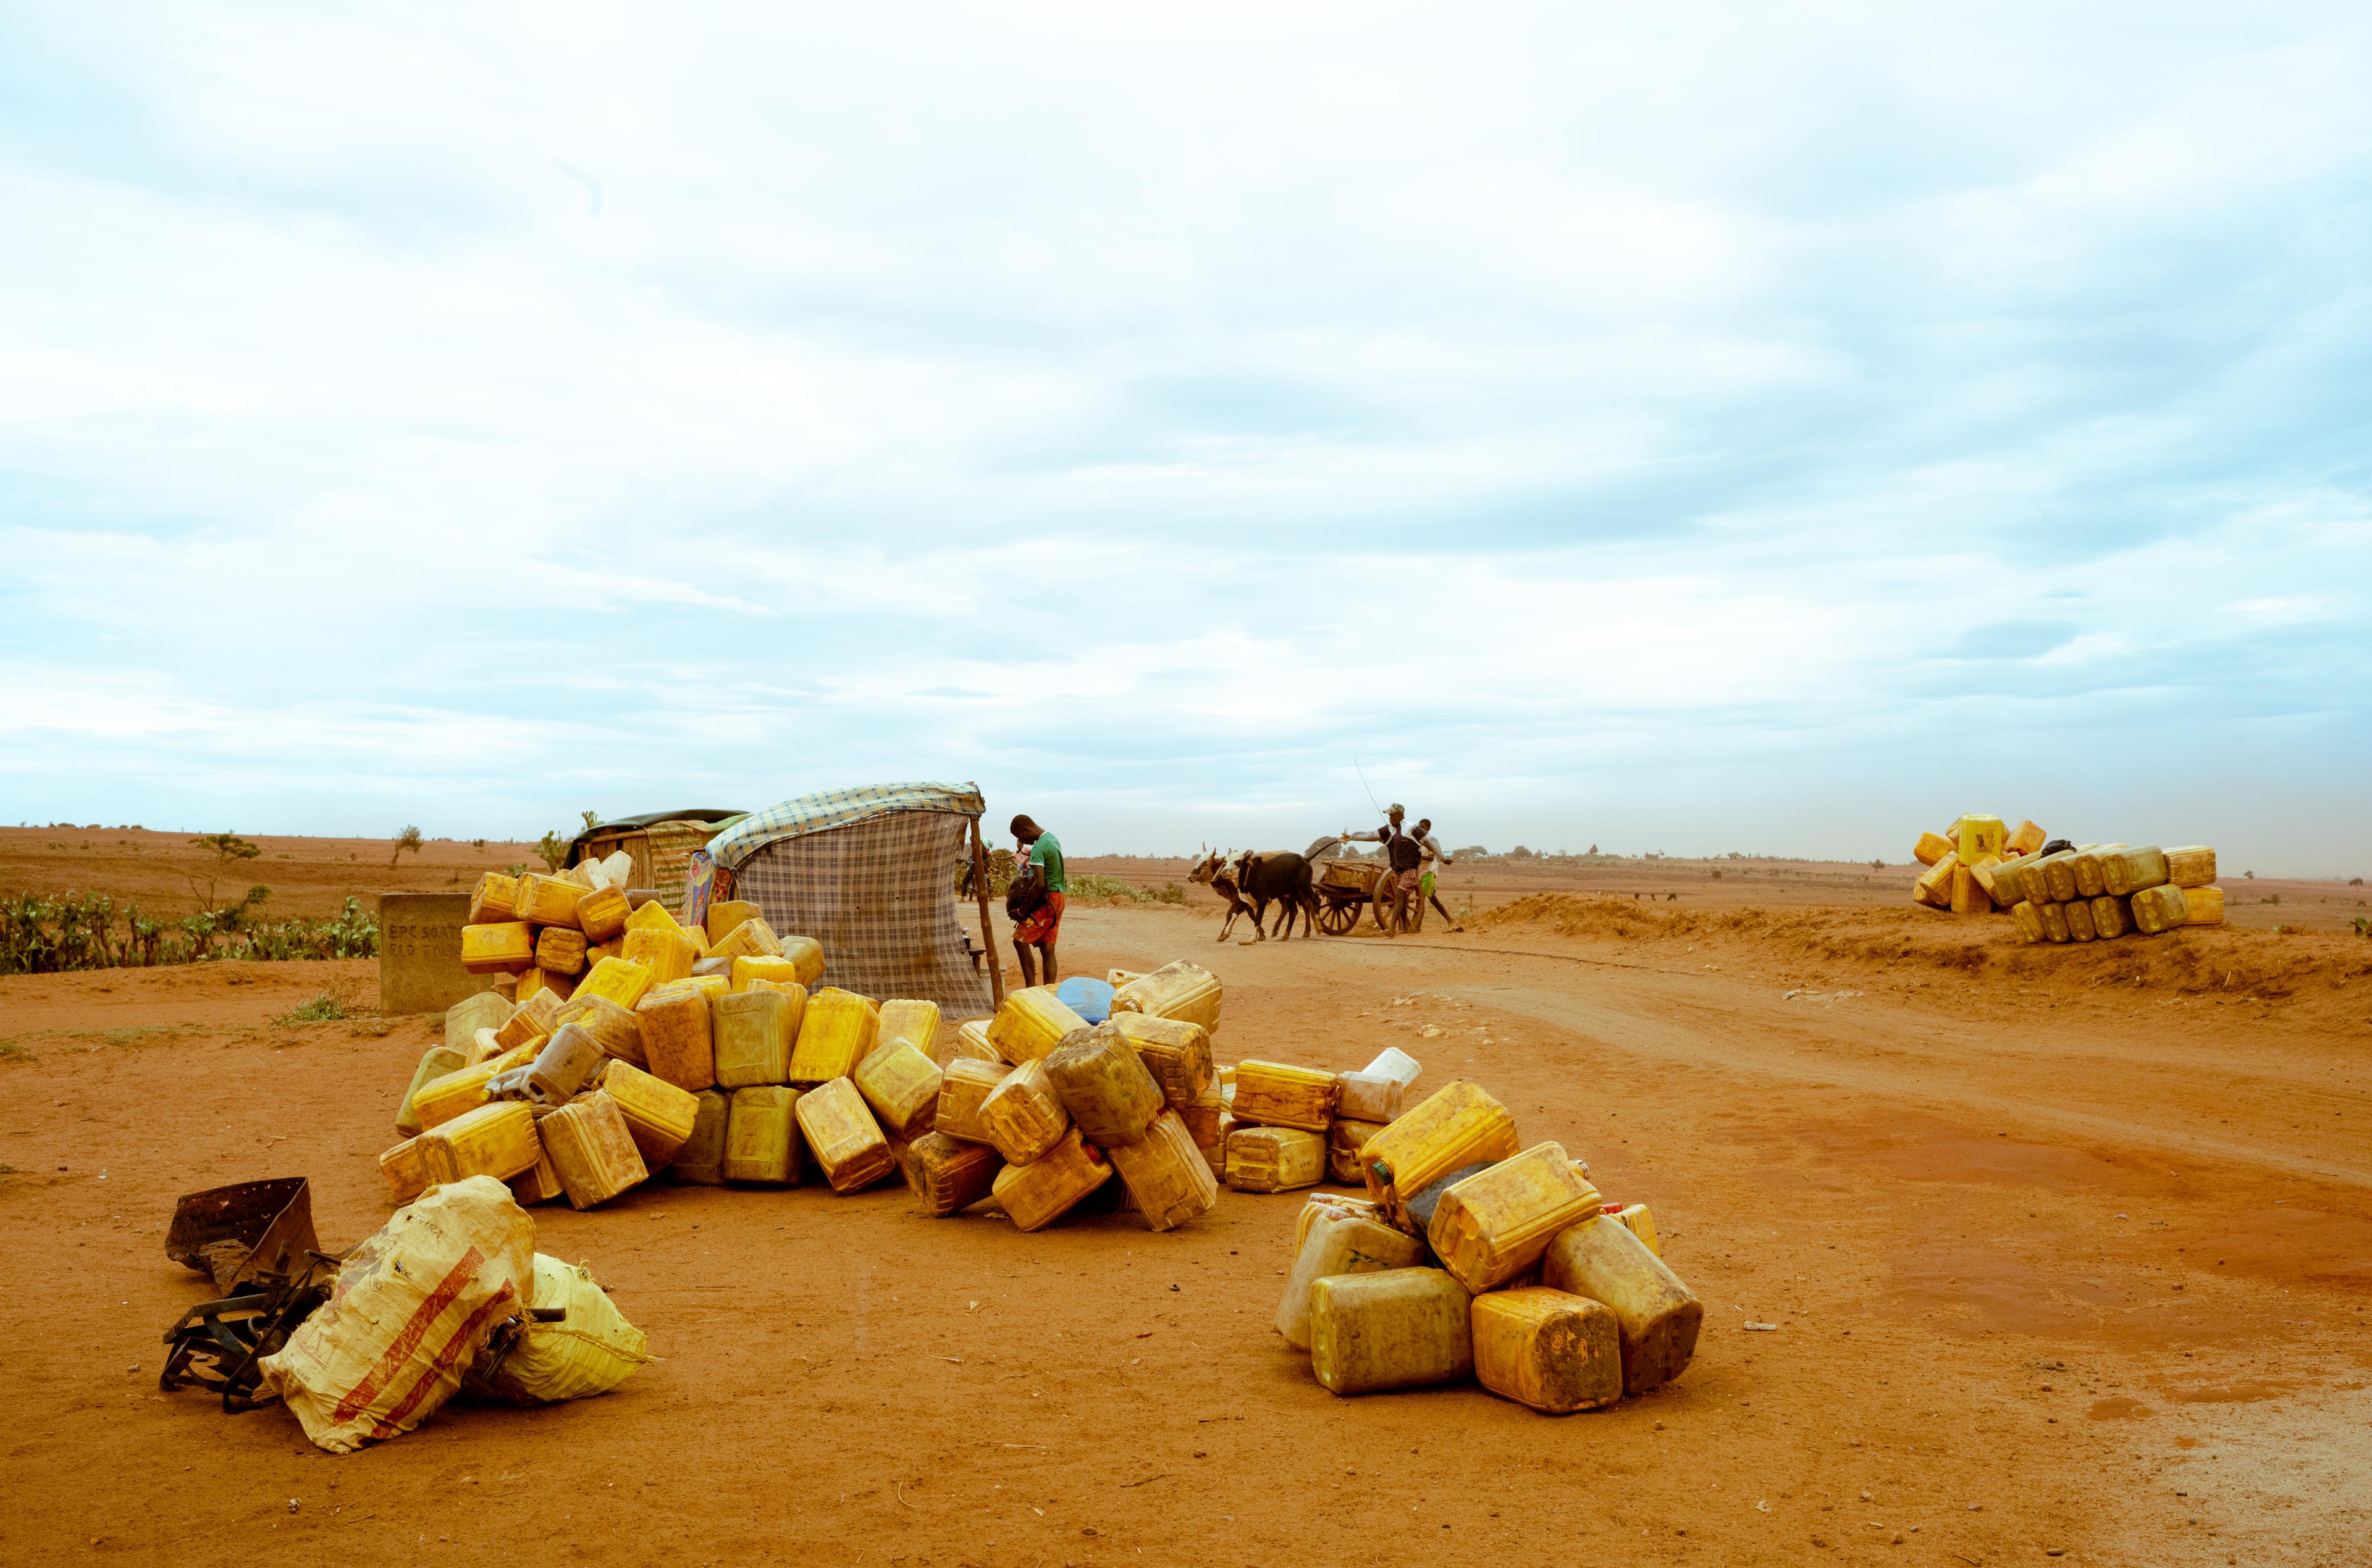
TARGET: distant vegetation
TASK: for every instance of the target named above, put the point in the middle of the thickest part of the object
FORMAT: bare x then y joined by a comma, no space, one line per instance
45,934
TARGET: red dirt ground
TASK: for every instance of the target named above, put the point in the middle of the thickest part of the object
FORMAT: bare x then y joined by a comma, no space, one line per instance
2069,1251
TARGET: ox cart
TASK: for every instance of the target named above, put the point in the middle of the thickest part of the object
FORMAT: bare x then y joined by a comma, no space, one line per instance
1344,889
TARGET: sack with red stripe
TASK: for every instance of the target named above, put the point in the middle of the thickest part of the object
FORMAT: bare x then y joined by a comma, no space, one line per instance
412,1309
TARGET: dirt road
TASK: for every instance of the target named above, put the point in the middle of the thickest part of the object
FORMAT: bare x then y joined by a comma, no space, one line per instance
2055,1267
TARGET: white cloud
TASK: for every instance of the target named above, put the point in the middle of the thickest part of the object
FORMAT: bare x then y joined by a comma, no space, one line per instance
1576,414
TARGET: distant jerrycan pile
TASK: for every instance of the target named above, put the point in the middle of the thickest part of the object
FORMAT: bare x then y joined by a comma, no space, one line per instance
701,1050
2061,892
1470,1257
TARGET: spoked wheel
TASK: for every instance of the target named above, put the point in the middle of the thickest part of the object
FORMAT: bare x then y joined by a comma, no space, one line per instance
1387,918
1336,919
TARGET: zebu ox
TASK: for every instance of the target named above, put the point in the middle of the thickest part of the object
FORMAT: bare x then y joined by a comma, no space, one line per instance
1251,881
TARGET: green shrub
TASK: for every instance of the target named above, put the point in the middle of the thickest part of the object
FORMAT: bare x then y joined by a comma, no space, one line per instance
45,934
322,1009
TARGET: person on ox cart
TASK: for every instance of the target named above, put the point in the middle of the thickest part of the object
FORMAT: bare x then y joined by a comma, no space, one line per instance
1404,854
1041,889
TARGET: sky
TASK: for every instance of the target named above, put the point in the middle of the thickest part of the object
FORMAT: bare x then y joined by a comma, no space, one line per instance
1680,429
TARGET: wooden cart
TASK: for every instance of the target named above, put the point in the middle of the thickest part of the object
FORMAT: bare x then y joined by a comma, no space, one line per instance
1343,887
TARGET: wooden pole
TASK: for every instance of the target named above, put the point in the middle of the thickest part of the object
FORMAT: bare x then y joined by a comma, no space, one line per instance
994,960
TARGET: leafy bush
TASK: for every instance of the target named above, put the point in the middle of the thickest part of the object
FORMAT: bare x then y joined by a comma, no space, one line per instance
553,851
408,839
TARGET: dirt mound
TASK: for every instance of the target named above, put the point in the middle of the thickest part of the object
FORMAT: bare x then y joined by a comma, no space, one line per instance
2259,963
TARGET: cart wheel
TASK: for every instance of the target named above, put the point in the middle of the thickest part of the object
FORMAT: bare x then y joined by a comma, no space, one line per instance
1335,919
1386,921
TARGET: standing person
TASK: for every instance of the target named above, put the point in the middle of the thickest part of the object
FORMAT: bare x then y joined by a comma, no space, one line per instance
1403,854
1433,855
1042,855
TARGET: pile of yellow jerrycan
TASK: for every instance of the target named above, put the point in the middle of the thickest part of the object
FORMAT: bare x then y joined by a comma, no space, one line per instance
712,1053
2092,892
1472,1256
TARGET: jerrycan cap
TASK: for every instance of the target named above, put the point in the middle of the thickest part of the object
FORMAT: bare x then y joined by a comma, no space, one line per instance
1609,1208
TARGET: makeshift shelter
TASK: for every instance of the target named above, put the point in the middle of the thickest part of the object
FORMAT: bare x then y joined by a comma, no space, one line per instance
660,844
870,873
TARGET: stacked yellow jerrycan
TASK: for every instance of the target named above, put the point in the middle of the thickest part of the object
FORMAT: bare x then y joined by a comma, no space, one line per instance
1110,1096
1032,1023
659,1115
618,1028
753,1034
964,1083
701,1161
1496,1223
947,1174
1548,1349
1176,1055
1166,1173
1023,1115
1036,1194
1187,992
762,1143
846,1141
917,1023
1393,1329
1338,1241
435,1062
1273,1095
592,1149
1457,1125
838,1031
901,1084
678,1047
1274,1159
1658,1317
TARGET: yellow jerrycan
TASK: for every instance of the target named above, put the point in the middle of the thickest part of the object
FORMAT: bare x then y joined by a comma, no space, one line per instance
1455,1125
901,1084
1166,1173
753,1033
1036,1194
1187,992
1176,1055
1656,1315
591,1149
1338,1241
1548,1349
1272,1094
965,1083
839,1029
435,1062
1110,1096
701,1161
1394,1329
917,1023
1023,1115
677,1047
1274,1159
1496,1223
949,1175
841,1133
1032,1023
761,1142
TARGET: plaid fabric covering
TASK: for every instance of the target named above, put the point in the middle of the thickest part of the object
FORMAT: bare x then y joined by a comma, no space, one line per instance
879,895
671,847
838,808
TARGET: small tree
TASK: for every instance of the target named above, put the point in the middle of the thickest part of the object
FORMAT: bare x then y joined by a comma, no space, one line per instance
407,839
554,851
230,846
